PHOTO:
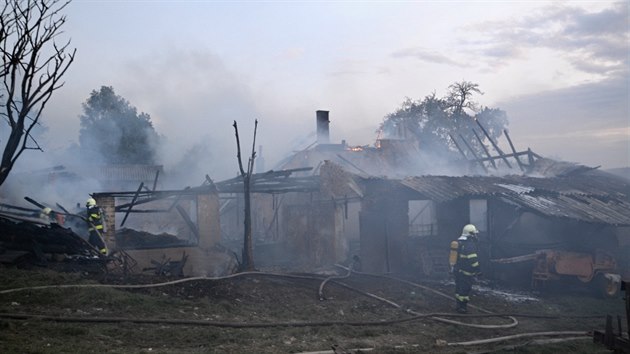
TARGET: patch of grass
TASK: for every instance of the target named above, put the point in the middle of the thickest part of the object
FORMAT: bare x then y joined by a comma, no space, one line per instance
11,278
575,347
245,300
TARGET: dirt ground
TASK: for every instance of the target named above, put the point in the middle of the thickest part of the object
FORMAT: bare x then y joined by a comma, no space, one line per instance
281,313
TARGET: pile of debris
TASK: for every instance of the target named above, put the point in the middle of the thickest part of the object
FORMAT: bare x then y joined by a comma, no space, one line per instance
134,239
24,241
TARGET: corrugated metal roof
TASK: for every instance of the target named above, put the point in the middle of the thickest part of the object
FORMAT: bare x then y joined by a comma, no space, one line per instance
517,188
577,207
590,197
135,173
445,188
129,172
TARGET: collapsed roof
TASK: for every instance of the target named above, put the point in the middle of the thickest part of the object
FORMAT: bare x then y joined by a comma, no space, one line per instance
590,196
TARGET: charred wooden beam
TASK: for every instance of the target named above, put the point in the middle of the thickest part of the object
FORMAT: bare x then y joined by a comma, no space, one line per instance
22,217
210,183
522,153
293,184
17,207
473,153
274,219
351,164
135,197
493,143
156,194
271,174
34,202
484,148
157,174
148,211
520,164
62,208
281,173
530,156
268,182
189,222
517,259
177,199
458,147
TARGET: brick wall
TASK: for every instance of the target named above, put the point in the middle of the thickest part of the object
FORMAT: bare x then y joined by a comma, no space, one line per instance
107,204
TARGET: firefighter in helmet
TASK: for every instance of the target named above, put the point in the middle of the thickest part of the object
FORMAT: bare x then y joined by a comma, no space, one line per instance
465,265
45,215
95,225
50,216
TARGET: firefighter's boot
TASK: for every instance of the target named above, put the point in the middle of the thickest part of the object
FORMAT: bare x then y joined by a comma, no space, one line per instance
461,307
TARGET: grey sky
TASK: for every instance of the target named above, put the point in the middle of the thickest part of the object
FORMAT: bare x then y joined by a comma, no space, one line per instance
559,69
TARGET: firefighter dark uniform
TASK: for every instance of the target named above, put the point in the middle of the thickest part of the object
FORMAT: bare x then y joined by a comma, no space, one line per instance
466,266
95,225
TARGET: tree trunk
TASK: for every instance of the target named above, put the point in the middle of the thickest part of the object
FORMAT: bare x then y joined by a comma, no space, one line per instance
248,250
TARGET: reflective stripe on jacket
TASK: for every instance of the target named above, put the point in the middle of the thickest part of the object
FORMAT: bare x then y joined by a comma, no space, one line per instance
467,261
95,218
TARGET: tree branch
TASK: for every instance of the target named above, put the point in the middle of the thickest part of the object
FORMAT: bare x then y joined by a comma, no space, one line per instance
29,76
238,150
250,168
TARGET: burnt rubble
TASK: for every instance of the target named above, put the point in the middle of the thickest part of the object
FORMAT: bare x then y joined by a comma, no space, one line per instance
133,239
24,241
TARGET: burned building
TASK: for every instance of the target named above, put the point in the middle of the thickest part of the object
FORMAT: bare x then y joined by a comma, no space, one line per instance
541,221
318,225
575,223
168,229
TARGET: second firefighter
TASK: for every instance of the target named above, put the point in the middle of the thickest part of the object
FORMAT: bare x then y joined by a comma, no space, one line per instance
466,266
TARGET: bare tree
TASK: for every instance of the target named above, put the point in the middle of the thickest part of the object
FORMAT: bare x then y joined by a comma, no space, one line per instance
436,122
248,251
32,67
459,96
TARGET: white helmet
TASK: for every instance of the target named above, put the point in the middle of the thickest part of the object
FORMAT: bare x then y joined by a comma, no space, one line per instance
470,229
90,202
46,210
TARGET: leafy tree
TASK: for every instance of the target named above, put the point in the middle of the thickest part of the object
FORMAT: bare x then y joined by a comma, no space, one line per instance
432,121
31,70
111,127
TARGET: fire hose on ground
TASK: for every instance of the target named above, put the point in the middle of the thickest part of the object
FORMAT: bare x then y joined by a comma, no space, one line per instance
439,319
321,296
416,315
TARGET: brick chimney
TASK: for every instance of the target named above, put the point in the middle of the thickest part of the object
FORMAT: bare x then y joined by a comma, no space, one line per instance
323,135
